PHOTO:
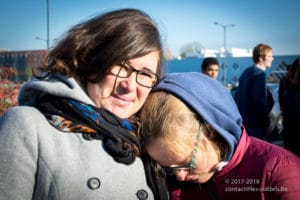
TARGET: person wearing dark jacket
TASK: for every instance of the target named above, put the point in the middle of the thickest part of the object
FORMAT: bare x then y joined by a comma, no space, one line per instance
253,99
197,136
289,99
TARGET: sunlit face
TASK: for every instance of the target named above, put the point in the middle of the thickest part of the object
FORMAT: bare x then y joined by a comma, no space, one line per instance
212,71
267,60
124,96
205,158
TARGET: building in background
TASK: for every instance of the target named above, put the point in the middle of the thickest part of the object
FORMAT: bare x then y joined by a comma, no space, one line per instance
22,61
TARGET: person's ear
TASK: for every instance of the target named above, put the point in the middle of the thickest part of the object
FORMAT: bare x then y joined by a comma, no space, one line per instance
261,59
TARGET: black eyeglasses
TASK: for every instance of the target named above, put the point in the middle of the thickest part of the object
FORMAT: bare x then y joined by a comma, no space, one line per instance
143,77
175,168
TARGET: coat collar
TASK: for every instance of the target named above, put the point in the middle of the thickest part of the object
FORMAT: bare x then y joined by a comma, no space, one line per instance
239,153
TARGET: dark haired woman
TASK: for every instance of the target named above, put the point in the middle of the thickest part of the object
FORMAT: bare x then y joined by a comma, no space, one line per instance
68,138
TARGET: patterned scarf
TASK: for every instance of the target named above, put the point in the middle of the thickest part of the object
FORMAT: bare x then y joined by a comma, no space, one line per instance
118,135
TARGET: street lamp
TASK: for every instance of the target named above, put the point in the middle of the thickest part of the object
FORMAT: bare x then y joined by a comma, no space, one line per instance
48,26
37,58
45,40
224,34
38,38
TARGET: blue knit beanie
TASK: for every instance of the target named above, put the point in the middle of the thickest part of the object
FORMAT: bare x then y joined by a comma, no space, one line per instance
210,100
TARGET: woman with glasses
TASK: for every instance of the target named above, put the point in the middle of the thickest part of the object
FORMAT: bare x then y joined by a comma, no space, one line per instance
197,137
74,133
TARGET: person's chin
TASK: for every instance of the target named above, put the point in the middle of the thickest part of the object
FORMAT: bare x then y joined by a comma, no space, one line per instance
201,178
192,178
120,112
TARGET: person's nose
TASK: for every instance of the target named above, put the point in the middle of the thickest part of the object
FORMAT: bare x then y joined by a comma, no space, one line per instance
130,83
181,174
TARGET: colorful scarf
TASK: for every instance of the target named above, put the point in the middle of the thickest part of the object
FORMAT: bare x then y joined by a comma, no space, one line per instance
118,135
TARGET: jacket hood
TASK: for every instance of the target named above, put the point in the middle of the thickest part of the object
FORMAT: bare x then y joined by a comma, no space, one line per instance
210,100
56,85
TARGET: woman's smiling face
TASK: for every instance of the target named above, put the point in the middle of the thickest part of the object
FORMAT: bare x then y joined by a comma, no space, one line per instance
124,96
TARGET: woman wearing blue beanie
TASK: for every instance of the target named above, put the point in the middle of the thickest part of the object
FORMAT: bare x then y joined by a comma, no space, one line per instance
192,128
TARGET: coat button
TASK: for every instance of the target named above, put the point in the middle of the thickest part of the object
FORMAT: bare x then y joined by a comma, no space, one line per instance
142,194
87,136
93,183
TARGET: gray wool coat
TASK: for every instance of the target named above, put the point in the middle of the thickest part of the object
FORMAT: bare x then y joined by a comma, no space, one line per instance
39,162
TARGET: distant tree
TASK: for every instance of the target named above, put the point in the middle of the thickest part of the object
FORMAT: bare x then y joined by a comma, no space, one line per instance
191,49
168,54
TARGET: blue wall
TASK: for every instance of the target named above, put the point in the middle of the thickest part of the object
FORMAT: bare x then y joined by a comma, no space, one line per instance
235,66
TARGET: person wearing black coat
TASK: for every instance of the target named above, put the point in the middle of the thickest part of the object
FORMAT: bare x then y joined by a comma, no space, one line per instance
289,100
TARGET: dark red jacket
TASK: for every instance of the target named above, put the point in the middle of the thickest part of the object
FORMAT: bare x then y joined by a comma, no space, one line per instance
257,170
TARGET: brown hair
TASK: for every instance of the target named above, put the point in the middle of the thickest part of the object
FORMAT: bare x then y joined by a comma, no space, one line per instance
166,118
260,51
92,47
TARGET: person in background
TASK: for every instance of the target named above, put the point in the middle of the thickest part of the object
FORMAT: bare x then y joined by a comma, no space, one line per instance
252,97
198,138
73,135
289,99
210,67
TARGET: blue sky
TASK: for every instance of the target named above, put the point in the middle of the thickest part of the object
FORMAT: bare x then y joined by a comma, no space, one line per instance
275,22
